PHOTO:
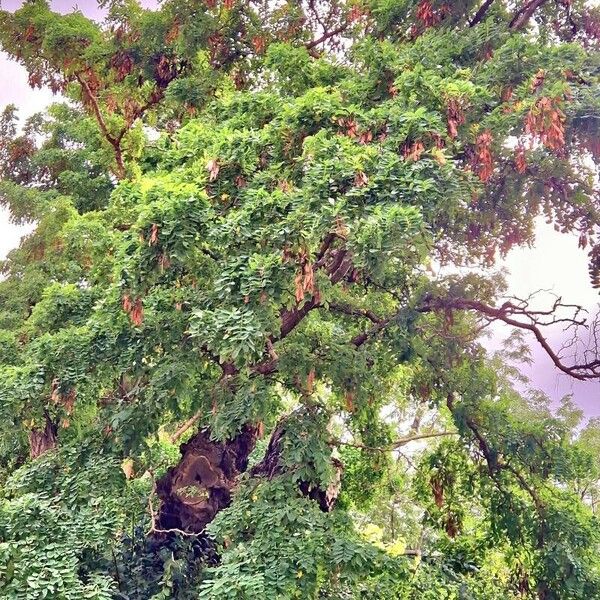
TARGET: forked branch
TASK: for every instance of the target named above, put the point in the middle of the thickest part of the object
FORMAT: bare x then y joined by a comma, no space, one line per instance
521,316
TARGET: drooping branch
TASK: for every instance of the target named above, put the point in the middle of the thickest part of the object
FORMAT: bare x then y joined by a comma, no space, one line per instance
336,262
91,97
272,466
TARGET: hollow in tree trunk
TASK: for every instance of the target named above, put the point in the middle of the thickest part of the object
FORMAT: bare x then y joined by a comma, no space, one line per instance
202,483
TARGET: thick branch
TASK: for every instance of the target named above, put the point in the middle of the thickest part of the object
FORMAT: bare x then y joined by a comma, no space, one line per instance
522,16
480,14
327,35
96,108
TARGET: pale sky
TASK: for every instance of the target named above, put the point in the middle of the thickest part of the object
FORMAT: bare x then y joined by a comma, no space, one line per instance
555,263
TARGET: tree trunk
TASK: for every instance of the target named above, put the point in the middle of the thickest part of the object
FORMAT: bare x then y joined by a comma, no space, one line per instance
42,440
203,482
196,489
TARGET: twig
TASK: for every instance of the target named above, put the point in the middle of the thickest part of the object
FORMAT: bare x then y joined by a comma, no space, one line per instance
153,527
185,426
397,444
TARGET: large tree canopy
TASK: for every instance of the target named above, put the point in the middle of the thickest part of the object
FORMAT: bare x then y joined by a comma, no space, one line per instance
230,366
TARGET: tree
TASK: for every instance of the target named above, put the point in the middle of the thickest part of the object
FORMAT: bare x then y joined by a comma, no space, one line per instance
253,280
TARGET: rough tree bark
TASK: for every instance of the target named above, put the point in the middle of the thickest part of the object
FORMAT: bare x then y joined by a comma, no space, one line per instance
201,484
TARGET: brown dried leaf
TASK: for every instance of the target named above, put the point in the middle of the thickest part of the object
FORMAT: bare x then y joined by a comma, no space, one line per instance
173,32
365,137
259,44
127,304
153,235
212,166
137,312
520,162
455,115
299,287
310,381
538,80
484,155
414,151
360,179
349,398
127,468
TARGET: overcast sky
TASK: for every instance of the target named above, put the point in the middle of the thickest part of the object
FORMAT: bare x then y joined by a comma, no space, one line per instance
556,263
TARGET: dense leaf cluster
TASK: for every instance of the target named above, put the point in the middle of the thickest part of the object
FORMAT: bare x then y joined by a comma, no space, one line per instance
238,218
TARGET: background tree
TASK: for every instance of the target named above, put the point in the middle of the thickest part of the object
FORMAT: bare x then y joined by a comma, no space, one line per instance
236,212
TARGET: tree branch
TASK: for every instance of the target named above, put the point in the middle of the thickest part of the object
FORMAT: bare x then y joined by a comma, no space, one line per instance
493,459
185,426
355,312
115,142
328,34
480,14
508,314
522,16
396,444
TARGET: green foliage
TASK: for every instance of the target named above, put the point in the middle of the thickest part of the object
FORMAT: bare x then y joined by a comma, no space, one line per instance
58,518
286,547
234,230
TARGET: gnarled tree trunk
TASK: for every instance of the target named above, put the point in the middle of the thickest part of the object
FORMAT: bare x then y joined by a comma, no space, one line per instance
203,482
196,489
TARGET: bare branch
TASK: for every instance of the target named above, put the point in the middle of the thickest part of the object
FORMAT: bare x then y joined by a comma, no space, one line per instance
517,315
328,34
509,314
